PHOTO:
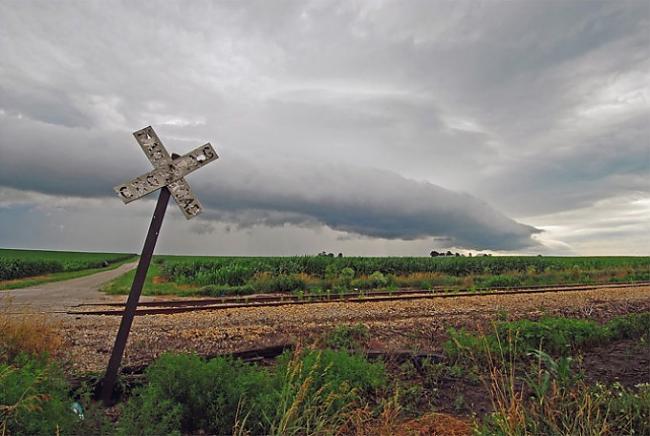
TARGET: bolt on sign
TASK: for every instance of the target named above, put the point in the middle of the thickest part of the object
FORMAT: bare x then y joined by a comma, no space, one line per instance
167,176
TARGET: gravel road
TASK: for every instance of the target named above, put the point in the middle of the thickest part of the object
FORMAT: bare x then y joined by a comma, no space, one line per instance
60,295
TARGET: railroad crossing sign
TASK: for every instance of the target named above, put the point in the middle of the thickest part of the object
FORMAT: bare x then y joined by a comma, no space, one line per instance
168,172
167,176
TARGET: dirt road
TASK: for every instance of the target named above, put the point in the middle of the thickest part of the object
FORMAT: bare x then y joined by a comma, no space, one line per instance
60,295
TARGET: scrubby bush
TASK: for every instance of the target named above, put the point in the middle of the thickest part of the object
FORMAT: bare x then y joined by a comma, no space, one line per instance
34,398
147,415
373,281
307,391
345,276
233,275
499,281
633,325
265,282
186,391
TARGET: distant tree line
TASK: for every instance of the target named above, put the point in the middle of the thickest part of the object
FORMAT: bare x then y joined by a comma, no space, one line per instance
434,253
325,253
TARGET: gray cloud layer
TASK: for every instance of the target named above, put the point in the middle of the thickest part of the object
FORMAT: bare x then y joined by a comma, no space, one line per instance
359,200
328,112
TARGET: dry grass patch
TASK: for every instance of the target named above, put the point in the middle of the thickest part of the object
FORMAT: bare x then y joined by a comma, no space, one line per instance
34,334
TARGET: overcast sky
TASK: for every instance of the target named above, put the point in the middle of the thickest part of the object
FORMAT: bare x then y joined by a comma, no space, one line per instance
368,128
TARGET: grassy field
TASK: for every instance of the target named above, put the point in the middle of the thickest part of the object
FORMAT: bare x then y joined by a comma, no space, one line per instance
216,276
551,375
22,268
154,284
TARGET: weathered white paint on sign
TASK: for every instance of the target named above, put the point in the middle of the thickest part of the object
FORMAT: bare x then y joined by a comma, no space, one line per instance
168,172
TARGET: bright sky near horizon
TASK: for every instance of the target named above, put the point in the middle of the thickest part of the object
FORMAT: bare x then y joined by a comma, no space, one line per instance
368,128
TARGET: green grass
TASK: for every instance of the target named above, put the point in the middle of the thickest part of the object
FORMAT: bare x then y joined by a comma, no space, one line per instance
554,335
122,285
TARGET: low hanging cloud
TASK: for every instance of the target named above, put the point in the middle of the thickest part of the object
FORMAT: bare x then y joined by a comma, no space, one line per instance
364,201
266,191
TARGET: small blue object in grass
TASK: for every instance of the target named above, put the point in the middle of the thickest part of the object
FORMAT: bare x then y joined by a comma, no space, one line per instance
78,409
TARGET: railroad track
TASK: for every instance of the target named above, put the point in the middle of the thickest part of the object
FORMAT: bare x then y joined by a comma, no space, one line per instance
180,306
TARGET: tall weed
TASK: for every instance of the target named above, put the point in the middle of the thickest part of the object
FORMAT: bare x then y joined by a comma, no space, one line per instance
549,398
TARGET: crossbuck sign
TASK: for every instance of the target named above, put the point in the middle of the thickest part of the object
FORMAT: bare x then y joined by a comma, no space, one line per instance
167,176
167,172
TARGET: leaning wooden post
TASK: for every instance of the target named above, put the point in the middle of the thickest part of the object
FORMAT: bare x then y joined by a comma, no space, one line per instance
168,177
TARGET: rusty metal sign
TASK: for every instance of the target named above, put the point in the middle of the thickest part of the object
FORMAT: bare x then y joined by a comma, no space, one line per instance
167,172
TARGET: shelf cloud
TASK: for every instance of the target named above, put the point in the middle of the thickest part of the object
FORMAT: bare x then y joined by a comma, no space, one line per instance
357,200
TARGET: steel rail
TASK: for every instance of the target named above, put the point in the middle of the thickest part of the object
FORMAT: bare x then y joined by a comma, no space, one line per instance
181,307
331,296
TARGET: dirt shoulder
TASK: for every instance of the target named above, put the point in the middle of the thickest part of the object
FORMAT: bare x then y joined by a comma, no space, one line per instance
393,325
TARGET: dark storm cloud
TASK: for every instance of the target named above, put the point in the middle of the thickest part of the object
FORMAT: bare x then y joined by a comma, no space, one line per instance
365,201
535,107
358,200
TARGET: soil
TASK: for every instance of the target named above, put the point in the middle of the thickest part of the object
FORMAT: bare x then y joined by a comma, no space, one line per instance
626,362
435,424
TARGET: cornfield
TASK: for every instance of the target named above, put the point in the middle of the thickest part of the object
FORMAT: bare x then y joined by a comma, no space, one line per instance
15,264
240,270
